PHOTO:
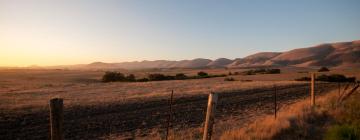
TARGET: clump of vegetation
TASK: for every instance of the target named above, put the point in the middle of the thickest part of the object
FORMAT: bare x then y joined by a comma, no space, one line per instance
343,132
120,77
335,78
142,80
262,71
347,121
180,76
203,74
159,77
229,79
323,69
113,77
329,78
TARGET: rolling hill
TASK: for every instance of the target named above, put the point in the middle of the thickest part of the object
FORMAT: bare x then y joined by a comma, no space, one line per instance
341,55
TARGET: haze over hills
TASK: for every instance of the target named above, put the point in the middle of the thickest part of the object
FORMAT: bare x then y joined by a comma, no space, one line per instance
342,54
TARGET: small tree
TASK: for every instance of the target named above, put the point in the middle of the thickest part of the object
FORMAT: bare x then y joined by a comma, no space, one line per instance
180,76
157,77
113,77
131,78
323,69
202,74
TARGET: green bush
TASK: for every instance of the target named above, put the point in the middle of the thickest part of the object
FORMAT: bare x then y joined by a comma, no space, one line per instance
342,132
202,74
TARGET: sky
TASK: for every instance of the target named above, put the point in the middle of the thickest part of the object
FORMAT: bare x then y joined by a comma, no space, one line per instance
64,32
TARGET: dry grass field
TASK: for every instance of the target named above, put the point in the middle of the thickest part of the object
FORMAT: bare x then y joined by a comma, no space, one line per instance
124,110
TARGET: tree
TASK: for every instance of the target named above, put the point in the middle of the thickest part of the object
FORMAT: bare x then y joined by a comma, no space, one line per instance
157,77
131,78
113,77
180,76
202,74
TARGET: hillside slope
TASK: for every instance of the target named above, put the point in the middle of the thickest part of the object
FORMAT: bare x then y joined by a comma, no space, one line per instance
341,55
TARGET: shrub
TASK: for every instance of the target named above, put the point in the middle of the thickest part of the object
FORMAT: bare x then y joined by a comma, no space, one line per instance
180,76
262,71
157,77
272,71
131,78
202,74
113,77
229,79
335,78
143,80
342,132
330,78
323,69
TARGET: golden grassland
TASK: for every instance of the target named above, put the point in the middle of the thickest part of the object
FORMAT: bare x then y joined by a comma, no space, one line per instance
30,89
298,121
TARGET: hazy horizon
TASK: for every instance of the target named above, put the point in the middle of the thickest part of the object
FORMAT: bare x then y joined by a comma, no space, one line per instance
68,32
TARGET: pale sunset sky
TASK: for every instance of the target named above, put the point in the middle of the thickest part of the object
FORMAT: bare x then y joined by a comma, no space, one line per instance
62,32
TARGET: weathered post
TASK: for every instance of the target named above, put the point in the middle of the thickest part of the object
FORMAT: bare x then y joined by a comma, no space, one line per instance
170,114
210,114
339,88
312,89
275,102
56,119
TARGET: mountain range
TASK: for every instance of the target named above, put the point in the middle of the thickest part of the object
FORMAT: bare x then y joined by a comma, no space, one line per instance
341,54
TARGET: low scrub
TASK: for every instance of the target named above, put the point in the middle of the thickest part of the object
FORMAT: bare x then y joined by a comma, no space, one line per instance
329,120
343,132
262,71
329,78
120,77
114,77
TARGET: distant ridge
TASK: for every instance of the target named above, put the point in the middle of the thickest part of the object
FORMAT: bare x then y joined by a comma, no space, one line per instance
341,54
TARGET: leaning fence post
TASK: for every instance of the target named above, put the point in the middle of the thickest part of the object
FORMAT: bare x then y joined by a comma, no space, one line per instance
210,114
312,89
56,119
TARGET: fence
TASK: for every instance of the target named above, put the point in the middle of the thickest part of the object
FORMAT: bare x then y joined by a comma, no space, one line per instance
178,110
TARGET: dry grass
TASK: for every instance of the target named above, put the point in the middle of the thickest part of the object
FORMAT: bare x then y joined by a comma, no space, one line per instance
299,115
31,89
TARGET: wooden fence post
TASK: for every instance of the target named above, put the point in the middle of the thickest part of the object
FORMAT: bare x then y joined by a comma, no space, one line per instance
275,102
210,114
170,114
56,119
312,89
